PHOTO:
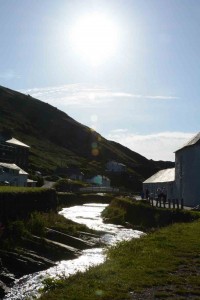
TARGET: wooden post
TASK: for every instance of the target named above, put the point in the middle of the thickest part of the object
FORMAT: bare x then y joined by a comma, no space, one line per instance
177,203
173,203
164,200
181,203
169,203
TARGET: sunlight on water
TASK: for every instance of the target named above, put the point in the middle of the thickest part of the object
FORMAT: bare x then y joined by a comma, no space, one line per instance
29,286
89,214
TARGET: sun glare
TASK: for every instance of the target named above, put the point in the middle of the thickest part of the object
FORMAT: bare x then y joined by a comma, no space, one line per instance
94,37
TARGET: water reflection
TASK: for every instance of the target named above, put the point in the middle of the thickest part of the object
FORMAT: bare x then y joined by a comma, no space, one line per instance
89,214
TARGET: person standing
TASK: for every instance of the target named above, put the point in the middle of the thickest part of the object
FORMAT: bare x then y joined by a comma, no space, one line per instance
147,194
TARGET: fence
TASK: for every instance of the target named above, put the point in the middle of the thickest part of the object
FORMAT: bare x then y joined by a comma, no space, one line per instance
98,189
169,203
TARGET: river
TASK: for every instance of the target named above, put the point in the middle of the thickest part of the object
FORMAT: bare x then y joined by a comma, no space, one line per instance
89,214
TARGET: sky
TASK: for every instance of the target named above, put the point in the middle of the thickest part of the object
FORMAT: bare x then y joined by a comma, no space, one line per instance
129,69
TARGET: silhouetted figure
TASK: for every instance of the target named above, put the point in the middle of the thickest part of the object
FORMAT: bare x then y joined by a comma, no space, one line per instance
147,194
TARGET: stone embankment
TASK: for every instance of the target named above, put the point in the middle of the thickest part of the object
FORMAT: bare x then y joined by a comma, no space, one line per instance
38,254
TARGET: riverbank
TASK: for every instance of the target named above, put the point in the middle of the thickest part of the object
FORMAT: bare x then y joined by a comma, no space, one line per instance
32,240
28,287
141,215
162,265
38,243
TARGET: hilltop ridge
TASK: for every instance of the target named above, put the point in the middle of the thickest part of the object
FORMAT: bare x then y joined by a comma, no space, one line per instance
57,140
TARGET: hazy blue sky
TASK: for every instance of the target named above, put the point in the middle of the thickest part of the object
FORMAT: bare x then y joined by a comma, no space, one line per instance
144,93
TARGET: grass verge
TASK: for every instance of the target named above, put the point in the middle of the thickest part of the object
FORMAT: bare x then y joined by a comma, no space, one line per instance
141,215
161,265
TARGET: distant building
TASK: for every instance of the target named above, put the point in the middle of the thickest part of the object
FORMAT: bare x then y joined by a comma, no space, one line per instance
99,180
116,167
31,183
11,174
184,181
74,174
13,151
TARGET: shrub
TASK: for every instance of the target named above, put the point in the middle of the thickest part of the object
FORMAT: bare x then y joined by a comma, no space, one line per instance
36,224
67,185
14,233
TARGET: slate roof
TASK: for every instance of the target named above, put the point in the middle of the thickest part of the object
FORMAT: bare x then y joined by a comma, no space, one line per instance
166,175
13,167
191,142
16,142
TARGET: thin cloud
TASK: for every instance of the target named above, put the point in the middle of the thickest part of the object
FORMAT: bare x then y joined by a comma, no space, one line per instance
158,146
85,95
9,74
120,130
159,97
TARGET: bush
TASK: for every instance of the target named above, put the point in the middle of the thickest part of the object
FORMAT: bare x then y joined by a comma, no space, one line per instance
52,178
67,185
37,224
39,179
14,233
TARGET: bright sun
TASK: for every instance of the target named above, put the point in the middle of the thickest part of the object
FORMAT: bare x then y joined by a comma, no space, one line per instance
94,37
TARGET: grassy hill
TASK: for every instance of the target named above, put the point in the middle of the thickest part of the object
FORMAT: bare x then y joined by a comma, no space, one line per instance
57,140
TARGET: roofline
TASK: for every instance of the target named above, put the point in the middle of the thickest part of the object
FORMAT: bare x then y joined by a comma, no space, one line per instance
158,181
192,141
17,143
151,182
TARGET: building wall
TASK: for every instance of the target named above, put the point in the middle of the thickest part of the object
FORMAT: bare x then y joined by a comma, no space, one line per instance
21,157
187,175
153,187
22,180
14,154
13,177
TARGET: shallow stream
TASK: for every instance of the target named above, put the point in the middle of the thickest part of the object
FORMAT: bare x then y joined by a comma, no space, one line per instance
89,214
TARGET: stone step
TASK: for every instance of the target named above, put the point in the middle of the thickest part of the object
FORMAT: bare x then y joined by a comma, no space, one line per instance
68,239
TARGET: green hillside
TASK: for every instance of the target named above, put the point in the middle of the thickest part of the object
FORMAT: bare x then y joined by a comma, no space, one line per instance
58,141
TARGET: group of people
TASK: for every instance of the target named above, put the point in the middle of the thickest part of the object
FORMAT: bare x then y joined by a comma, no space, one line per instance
161,194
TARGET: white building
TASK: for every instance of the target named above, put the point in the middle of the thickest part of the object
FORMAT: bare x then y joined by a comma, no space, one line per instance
186,184
163,179
114,166
13,175
187,174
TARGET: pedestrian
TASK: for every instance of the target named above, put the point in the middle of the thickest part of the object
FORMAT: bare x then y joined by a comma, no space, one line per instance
147,194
